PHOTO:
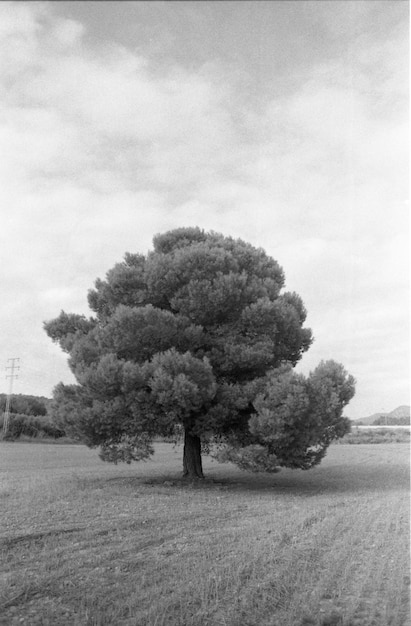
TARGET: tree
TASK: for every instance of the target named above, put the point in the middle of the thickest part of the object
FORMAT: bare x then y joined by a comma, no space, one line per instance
392,420
198,337
25,404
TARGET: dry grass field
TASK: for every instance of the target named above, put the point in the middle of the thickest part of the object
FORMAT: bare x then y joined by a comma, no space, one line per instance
86,543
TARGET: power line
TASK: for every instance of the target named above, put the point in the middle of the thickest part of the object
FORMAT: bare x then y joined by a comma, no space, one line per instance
13,367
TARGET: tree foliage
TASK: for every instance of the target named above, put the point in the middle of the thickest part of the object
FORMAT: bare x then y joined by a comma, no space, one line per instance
25,404
392,420
39,426
198,336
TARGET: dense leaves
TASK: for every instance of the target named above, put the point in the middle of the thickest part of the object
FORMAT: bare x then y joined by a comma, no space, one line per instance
198,336
35,427
24,404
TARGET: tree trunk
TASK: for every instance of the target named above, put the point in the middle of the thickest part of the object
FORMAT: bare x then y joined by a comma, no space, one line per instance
192,466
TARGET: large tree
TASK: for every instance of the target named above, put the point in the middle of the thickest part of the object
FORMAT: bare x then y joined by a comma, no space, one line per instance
198,337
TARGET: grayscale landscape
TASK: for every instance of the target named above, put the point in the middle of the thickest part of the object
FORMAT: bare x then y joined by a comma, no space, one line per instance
205,313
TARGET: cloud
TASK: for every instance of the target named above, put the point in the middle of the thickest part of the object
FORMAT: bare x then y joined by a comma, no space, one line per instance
106,148
71,111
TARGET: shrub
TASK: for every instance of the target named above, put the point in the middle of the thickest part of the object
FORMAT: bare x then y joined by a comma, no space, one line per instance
31,426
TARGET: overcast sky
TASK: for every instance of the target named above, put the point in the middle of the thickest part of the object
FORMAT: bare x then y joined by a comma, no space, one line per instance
282,123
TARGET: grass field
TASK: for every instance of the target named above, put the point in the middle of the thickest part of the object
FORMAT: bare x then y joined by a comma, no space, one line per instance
86,543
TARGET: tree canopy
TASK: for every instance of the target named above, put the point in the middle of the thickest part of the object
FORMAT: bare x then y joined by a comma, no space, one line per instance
198,337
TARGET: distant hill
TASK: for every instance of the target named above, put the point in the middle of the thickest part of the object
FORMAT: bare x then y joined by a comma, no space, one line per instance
400,411
371,418
400,415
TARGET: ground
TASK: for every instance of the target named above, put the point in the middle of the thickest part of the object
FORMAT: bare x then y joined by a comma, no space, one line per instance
88,543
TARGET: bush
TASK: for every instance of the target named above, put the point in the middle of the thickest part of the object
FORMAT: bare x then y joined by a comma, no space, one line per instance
38,426
22,404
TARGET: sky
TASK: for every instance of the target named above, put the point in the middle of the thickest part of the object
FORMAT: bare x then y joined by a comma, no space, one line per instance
282,123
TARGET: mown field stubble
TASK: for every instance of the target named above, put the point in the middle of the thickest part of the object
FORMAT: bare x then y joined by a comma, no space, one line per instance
86,543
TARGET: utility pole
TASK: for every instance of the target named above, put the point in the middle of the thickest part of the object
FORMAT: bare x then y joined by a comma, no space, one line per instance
11,376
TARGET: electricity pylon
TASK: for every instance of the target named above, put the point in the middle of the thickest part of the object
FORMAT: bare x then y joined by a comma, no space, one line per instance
11,376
